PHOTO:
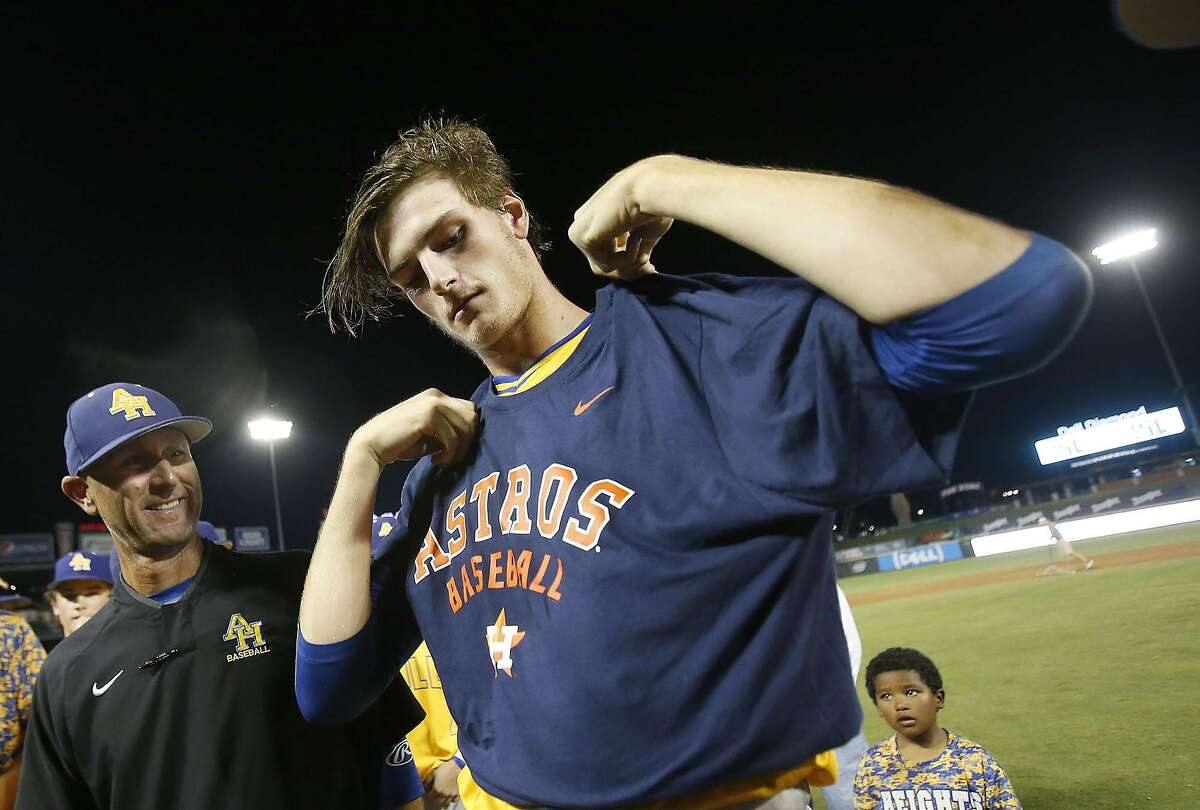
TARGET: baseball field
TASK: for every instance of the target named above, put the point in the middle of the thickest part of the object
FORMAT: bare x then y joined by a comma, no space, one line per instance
1085,686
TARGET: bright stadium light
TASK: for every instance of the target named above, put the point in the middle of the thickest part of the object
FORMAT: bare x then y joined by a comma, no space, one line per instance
271,431
1130,246
1134,520
1125,246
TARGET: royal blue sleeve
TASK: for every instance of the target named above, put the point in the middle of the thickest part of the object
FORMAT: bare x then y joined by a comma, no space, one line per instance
337,682
1009,325
799,400
400,782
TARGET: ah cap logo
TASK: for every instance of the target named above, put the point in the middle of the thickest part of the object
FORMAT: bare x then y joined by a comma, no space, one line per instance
400,755
79,563
385,528
501,638
133,407
248,636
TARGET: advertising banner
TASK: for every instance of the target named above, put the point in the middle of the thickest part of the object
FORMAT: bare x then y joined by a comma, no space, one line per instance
251,538
26,549
856,567
94,537
872,550
921,555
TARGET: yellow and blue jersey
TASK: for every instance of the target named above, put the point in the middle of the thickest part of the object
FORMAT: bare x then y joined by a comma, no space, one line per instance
21,657
963,777
435,739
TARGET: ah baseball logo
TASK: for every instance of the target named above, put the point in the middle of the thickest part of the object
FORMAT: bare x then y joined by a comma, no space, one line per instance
79,563
501,638
248,637
401,755
133,407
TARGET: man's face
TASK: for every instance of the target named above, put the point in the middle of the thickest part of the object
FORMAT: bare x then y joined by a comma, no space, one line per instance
75,601
470,270
906,703
148,493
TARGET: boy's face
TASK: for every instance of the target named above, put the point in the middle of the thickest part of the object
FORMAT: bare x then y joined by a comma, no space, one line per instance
75,601
907,703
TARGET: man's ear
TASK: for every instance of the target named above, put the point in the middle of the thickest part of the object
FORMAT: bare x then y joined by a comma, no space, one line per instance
76,489
941,699
516,215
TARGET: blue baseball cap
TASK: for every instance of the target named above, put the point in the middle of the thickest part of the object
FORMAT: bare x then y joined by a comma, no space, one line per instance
81,565
104,419
10,599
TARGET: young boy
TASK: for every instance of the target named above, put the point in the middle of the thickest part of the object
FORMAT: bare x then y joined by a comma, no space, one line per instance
82,585
923,766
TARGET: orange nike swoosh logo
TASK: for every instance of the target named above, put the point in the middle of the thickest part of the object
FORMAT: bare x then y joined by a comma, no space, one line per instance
582,406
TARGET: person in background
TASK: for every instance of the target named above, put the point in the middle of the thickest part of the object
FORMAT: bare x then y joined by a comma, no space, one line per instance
21,657
82,586
922,764
208,532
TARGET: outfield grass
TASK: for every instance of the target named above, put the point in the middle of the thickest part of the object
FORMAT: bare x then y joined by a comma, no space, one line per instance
1084,687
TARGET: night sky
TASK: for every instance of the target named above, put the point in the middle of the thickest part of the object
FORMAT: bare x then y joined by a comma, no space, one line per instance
173,184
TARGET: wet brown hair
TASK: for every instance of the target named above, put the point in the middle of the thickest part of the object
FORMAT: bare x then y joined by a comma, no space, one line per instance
356,287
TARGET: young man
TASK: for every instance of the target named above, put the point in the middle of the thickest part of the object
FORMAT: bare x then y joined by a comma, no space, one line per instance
625,575
179,694
923,764
82,585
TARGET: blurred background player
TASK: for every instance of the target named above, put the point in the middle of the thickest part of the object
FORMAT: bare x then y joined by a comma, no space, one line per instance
1064,551
208,532
434,742
923,765
82,585
21,657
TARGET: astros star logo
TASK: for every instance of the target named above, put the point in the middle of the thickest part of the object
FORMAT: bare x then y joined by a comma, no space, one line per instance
501,638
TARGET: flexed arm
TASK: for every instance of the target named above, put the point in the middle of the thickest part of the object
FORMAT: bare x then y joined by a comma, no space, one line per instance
885,252
343,660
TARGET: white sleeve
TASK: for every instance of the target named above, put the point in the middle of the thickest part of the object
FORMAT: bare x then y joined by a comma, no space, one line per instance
853,641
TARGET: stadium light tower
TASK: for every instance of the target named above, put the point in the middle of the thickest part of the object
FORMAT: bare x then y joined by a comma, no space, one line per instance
271,431
1130,246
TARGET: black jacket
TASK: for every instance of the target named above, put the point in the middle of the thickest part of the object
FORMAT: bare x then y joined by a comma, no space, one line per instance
213,723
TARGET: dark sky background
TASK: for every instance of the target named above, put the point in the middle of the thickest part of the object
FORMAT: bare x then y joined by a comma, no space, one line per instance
173,184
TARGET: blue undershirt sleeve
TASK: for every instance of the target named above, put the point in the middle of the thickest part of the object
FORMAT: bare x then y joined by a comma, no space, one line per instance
337,682
399,784
1007,326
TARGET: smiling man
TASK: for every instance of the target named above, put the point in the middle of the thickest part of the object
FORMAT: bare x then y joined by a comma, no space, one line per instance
618,549
179,693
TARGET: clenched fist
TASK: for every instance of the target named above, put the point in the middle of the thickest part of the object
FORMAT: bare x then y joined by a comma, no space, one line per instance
430,422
